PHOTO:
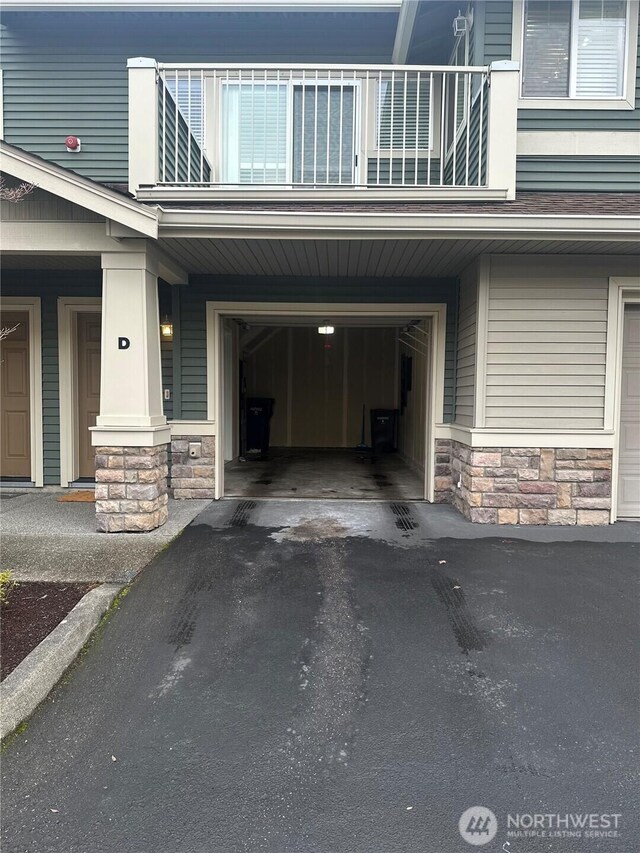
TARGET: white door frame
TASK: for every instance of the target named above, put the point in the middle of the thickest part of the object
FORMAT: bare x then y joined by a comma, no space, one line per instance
623,290
68,309
31,304
434,399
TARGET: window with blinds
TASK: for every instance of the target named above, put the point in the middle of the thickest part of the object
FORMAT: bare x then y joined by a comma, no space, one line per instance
574,48
254,133
403,105
188,95
600,48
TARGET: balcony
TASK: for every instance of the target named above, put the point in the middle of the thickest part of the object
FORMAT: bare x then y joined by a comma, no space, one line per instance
203,132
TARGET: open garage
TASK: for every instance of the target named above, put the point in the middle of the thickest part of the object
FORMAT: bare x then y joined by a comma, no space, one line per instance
324,405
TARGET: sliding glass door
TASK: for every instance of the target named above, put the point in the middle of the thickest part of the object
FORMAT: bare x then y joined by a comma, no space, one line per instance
291,132
324,123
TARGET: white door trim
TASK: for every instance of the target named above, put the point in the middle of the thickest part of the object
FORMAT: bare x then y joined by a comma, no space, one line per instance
31,304
623,290
434,399
68,309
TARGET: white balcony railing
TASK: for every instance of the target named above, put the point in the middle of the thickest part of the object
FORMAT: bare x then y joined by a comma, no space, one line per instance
238,128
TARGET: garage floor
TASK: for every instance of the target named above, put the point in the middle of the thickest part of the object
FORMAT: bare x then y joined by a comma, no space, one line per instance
328,473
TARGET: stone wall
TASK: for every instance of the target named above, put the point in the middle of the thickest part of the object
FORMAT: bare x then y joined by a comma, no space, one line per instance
193,477
131,488
531,485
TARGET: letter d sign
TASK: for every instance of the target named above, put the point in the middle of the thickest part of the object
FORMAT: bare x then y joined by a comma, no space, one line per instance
124,343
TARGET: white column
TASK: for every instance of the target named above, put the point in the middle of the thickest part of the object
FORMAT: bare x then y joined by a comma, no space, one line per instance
502,124
143,122
130,380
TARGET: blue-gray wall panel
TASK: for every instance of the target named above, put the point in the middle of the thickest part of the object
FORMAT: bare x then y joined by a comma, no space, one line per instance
610,174
65,73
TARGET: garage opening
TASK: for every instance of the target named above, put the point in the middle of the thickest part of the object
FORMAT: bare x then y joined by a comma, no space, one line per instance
325,407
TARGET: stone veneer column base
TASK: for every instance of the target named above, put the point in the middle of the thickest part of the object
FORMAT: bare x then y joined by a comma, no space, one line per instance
531,485
193,478
131,488
443,480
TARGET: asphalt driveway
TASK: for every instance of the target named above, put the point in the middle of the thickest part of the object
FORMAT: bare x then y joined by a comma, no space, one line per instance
305,677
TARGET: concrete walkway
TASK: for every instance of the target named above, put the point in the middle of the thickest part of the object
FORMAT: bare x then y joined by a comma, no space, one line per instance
308,677
46,540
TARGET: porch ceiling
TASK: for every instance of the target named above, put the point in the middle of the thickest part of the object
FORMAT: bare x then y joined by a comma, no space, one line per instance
366,258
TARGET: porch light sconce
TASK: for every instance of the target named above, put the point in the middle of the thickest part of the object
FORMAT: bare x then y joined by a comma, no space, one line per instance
166,329
326,329
460,24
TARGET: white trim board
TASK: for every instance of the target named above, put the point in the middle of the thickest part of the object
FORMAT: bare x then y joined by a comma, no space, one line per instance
525,438
434,399
404,31
580,143
483,283
68,308
623,290
191,428
627,102
31,304
1,104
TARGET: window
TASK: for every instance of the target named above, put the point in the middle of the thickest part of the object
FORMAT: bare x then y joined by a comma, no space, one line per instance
254,133
189,99
404,112
275,133
574,48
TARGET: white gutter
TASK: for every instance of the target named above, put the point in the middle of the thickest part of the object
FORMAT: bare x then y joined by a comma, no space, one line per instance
379,225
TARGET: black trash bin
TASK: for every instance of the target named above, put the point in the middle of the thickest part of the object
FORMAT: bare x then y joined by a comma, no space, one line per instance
258,420
384,430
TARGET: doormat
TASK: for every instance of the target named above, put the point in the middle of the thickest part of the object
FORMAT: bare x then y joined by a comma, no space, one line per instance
86,496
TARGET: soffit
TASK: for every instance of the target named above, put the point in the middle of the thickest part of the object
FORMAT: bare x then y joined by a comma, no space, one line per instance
363,258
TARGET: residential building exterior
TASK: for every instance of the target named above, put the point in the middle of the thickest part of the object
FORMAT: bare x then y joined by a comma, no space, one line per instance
455,191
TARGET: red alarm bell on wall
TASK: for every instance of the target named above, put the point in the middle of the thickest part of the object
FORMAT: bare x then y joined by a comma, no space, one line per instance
73,144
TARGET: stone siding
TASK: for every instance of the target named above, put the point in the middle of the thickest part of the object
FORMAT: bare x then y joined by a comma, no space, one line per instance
131,488
531,485
193,477
443,479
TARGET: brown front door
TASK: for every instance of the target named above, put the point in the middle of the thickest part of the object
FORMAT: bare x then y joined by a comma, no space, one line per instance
16,397
88,349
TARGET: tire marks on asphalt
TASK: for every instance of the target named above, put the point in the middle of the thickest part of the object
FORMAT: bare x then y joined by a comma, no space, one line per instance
404,518
242,513
451,594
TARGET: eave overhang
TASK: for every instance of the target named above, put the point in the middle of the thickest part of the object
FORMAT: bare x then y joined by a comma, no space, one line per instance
382,225
140,218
